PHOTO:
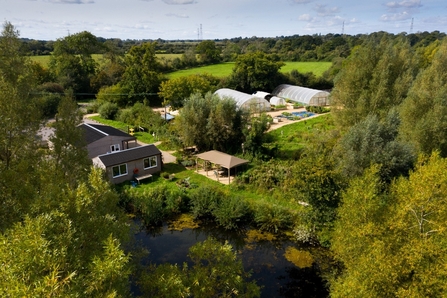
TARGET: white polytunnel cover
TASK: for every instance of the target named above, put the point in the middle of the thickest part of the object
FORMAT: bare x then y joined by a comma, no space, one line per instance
244,100
273,100
306,96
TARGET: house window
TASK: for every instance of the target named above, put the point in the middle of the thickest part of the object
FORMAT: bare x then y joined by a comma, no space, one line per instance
119,170
115,147
150,162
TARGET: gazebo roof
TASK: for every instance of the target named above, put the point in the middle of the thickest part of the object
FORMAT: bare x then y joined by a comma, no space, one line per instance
223,159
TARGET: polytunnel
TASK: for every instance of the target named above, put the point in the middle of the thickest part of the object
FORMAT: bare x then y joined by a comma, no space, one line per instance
273,100
306,96
244,100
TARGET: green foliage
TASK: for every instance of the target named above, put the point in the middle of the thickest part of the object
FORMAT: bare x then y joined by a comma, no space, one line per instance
255,71
216,272
68,245
203,201
392,243
373,142
375,78
108,110
318,109
424,112
69,148
231,212
176,90
210,123
150,204
272,218
208,52
72,63
254,134
112,94
142,76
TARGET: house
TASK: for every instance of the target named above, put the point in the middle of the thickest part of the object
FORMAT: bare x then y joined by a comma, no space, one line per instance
102,139
134,163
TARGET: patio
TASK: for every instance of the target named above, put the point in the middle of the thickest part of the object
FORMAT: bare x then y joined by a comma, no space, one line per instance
223,163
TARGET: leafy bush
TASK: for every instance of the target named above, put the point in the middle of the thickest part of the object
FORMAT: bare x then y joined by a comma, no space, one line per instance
175,202
108,110
231,212
150,205
318,109
204,199
49,104
272,218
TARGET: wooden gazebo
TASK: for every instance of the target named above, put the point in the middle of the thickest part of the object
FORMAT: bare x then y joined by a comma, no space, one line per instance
222,159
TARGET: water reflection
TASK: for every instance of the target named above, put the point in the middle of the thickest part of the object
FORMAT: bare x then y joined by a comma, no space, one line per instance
265,258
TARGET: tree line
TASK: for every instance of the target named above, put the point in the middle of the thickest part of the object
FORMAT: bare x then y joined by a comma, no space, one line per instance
375,185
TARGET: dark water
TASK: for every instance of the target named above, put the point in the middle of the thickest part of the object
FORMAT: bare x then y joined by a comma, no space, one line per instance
277,276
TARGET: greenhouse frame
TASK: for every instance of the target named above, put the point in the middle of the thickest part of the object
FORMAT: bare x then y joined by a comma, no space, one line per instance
244,100
303,95
274,100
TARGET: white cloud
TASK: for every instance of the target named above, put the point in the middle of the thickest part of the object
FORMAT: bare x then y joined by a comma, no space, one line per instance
395,17
305,17
301,1
179,2
181,16
72,1
322,10
404,4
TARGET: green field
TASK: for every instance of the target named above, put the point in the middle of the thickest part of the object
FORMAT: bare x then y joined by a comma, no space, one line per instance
218,70
225,69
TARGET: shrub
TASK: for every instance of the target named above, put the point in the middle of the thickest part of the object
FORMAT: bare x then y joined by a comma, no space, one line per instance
272,218
150,205
108,110
49,104
175,202
231,212
203,200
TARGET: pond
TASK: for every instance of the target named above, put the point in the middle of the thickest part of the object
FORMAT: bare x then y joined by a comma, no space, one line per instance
261,253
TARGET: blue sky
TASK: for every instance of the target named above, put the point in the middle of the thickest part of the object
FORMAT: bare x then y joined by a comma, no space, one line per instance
182,19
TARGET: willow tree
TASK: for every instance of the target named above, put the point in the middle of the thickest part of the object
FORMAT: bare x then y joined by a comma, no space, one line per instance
19,123
391,241
424,112
209,122
374,78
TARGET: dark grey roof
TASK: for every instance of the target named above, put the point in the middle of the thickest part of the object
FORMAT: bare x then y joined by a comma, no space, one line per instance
119,157
94,132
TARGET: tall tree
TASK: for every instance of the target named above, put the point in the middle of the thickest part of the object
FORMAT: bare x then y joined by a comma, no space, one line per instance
375,78
209,122
142,76
175,91
19,123
208,52
375,142
72,62
255,71
424,112
392,241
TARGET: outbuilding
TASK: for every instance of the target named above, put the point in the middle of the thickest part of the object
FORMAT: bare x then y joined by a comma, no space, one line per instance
303,95
244,100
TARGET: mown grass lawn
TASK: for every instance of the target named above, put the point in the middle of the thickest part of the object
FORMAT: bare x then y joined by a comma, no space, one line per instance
291,138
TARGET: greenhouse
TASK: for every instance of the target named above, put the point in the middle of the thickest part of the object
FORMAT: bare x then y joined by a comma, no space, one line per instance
244,100
274,100
306,96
